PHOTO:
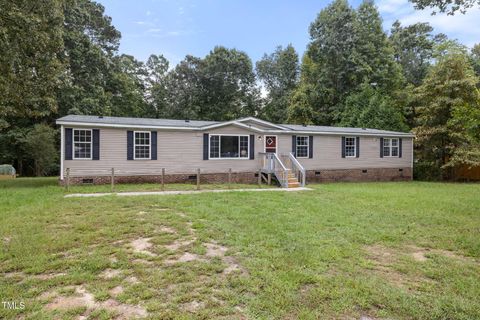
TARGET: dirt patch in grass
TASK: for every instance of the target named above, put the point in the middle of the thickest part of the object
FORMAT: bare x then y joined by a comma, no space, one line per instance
422,254
177,244
193,306
141,245
165,229
384,260
84,299
110,273
118,290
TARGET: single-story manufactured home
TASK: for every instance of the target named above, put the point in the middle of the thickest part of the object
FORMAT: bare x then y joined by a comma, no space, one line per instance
139,150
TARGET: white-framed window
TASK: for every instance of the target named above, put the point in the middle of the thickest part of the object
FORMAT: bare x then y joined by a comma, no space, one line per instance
350,147
82,144
141,145
224,146
390,147
302,147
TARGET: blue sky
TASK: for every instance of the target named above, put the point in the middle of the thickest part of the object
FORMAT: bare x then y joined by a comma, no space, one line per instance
176,28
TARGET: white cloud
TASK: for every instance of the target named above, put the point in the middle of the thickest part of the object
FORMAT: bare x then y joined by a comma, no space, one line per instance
461,27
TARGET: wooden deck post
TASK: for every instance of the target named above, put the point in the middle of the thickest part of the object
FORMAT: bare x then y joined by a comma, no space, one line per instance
113,180
163,179
259,178
229,177
198,179
67,185
269,181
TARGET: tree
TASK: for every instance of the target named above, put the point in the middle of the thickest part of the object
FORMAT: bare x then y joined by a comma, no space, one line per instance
279,73
127,85
448,6
475,56
156,90
348,48
369,108
40,147
90,42
374,53
449,85
413,46
220,86
30,66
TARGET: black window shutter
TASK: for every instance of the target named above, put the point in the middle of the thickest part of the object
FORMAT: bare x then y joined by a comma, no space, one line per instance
129,145
381,147
153,151
96,144
310,147
294,146
358,147
400,147
343,147
205,146
68,143
252,147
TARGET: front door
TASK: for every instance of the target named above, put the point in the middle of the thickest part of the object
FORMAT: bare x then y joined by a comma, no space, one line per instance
271,144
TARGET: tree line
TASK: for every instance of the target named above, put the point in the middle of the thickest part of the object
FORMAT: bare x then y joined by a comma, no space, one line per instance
60,57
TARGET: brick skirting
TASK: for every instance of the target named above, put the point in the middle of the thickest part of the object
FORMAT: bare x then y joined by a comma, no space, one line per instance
353,175
237,177
358,175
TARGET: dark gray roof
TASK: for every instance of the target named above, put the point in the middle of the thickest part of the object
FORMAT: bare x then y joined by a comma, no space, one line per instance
196,124
310,128
137,121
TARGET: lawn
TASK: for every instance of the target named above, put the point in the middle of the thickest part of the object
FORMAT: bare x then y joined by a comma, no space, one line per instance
341,251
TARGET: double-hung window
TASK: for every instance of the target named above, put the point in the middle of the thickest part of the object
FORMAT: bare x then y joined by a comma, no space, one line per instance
82,144
229,146
142,145
302,147
350,147
390,147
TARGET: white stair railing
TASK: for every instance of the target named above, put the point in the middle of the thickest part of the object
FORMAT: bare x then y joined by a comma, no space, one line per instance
273,164
292,164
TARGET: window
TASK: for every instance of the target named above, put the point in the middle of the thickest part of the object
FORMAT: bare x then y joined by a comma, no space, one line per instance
350,147
142,145
390,147
226,146
82,144
302,147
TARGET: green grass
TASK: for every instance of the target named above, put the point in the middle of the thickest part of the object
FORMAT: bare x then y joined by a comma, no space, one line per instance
338,251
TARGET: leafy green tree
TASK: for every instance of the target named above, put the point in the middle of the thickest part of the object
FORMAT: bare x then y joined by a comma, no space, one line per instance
279,73
156,85
448,6
127,85
30,68
475,55
348,48
40,148
300,110
450,85
369,108
220,86
374,53
90,42
413,46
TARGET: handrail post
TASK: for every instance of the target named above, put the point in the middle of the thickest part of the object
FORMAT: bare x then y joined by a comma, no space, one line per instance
259,178
229,178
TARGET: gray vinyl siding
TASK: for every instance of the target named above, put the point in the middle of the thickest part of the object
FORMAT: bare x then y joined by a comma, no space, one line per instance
182,152
327,153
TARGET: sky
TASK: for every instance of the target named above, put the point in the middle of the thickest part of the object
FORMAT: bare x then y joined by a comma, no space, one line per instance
176,28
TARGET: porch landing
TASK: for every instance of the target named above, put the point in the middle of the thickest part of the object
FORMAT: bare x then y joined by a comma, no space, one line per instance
165,193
